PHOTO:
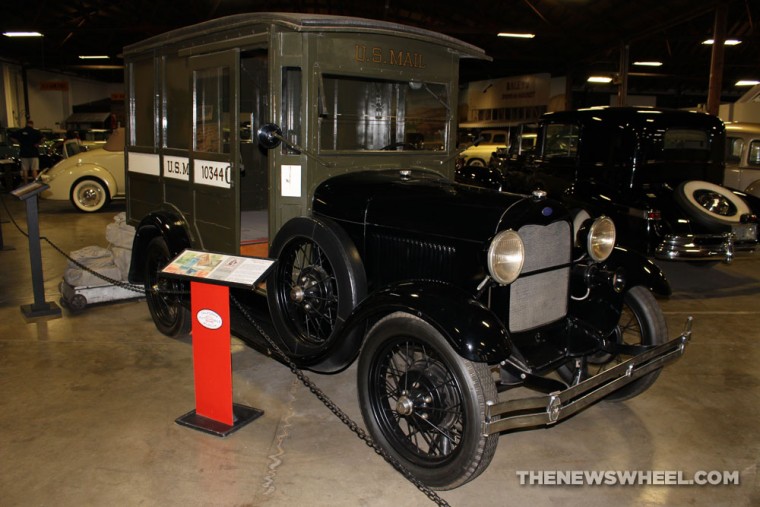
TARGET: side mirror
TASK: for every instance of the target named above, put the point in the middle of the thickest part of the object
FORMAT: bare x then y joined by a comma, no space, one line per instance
269,136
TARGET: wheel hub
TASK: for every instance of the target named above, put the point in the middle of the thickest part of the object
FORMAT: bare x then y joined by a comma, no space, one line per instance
313,289
422,395
715,203
89,196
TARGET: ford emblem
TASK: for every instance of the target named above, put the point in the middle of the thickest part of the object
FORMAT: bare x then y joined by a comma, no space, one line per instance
547,211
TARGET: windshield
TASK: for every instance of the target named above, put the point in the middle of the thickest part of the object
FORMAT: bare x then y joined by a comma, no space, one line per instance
358,114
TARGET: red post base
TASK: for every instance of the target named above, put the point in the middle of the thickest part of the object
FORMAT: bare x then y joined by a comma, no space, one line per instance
212,364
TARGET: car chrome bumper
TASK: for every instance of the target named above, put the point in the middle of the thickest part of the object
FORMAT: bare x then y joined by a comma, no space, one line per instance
551,408
704,247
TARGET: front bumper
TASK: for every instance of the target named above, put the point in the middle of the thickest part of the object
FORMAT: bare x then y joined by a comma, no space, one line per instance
551,408
706,247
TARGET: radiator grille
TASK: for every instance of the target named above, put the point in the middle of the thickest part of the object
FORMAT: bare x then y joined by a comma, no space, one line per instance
541,298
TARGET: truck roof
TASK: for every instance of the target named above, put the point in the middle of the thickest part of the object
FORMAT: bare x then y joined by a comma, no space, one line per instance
258,22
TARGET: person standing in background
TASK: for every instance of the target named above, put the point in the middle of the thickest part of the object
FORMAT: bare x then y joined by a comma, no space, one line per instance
29,140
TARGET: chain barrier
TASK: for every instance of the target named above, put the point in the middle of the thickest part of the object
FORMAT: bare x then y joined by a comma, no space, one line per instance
339,413
305,380
112,281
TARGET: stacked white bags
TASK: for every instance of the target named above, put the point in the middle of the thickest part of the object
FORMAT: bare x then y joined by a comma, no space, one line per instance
112,262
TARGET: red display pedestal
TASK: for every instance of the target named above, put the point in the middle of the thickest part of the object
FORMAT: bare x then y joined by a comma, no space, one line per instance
210,276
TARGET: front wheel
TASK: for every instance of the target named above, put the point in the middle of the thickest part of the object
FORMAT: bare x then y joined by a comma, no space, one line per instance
89,195
164,296
641,323
425,404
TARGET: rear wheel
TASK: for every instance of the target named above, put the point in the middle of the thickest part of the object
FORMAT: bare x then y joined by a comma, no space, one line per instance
89,195
424,403
477,162
165,296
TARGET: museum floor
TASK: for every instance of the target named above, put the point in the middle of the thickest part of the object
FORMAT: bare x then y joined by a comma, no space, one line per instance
88,404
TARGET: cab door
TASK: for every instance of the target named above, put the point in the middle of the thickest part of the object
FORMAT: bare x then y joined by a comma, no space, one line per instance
214,153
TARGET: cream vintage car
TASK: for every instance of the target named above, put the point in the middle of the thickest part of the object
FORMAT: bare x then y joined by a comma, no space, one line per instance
743,157
89,179
487,142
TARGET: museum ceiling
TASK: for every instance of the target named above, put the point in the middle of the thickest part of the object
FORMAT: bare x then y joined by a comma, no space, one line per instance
576,38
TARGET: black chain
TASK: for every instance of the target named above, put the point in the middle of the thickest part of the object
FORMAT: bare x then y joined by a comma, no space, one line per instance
352,425
112,281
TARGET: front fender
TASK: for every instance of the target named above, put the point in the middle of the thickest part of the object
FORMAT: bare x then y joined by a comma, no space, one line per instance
638,270
472,329
171,226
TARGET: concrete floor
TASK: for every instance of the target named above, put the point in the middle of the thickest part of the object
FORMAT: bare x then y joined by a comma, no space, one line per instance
88,403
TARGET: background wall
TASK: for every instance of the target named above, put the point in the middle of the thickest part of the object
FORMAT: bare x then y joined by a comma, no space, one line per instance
52,96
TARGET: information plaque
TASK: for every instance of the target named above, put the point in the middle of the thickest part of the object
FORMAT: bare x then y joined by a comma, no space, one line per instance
219,269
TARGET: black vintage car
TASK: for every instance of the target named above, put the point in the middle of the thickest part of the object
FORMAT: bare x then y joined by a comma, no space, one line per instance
448,295
655,172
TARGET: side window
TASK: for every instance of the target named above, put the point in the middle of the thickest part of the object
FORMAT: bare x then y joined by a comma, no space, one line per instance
212,110
177,111
366,114
142,103
561,141
682,144
754,153
734,147
291,106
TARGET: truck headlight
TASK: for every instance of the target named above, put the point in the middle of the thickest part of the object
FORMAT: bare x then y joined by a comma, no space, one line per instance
505,257
600,240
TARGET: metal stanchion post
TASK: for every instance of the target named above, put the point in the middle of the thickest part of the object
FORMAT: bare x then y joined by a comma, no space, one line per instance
40,307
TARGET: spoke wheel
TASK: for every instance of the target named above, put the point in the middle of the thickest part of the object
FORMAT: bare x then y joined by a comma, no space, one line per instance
308,292
164,296
424,403
317,282
641,323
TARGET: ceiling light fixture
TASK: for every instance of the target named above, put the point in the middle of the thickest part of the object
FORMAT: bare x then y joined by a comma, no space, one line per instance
599,79
648,64
727,42
517,35
94,57
22,34
747,82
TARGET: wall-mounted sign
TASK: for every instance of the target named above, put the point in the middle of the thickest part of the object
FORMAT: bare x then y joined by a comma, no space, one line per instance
54,86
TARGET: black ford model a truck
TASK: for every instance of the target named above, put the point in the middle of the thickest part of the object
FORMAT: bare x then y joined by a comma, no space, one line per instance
328,143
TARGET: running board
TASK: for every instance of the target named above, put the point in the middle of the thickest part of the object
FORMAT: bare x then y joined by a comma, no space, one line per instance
551,408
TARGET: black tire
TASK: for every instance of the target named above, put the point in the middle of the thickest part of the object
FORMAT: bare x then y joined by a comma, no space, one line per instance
711,205
89,195
425,404
77,303
641,323
317,282
165,296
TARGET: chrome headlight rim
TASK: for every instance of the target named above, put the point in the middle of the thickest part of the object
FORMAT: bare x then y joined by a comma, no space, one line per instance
506,256
600,240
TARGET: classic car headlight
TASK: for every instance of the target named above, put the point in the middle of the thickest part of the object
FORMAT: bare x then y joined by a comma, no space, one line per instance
505,257
600,239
